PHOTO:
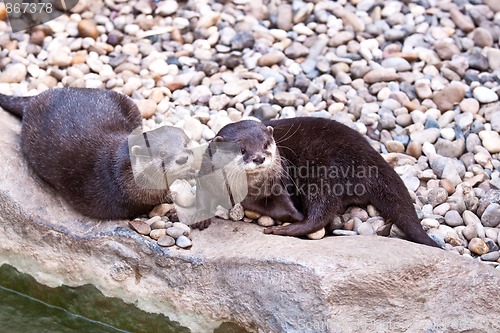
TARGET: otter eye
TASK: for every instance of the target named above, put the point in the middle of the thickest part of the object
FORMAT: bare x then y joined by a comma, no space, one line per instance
243,151
266,145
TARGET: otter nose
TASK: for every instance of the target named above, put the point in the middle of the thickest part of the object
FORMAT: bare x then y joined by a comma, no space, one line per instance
259,159
181,160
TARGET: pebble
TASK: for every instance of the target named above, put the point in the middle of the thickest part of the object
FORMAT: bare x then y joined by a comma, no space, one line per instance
176,232
166,241
140,227
317,234
13,74
271,58
482,37
491,256
265,221
339,232
237,212
485,95
167,8
491,215
147,107
157,233
87,28
491,141
252,215
380,75
449,96
453,218
478,246
183,242
366,229
469,105
462,21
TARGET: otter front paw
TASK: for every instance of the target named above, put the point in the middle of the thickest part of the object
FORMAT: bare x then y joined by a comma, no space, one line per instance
201,224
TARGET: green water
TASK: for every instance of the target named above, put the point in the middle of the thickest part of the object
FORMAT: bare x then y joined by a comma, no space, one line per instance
29,307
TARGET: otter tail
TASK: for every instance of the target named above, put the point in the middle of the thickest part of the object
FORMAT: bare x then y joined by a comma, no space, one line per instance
401,211
14,105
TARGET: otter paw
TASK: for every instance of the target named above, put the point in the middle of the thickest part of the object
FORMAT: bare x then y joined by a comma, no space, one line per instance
201,224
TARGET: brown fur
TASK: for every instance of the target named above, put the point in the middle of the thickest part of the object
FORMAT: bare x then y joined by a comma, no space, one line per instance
77,141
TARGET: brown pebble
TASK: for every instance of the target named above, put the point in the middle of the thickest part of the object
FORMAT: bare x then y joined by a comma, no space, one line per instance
161,210
447,185
252,215
173,86
37,37
3,12
349,225
87,28
166,241
140,227
449,96
414,149
478,246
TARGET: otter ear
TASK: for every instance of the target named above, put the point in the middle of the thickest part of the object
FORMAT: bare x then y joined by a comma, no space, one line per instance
270,129
218,138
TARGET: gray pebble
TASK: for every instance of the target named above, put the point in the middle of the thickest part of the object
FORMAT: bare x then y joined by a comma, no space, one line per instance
183,242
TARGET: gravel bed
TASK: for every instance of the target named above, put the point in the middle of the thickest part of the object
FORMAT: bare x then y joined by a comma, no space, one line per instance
420,79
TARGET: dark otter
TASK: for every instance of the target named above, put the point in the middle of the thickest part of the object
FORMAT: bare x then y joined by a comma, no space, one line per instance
77,140
242,164
330,167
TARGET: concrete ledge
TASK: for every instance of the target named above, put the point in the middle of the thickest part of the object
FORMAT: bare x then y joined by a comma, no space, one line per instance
234,272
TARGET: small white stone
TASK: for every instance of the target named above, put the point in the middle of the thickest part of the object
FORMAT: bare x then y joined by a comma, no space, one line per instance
317,234
485,95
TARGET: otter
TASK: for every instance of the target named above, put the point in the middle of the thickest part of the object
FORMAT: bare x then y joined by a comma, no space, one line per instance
88,144
328,167
242,164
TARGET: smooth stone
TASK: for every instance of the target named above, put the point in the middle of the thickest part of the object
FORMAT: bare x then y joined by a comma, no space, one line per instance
478,246
426,135
140,227
340,232
87,28
167,8
482,37
159,66
380,75
491,256
491,141
252,215
157,233
296,50
366,229
183,242
176,232
166,241
437,196
450,148
491,215
285,98
161,210
15,73
485,95
423,88
222,212
285,17
469,232
265,221
446,98
399,64
271,58
453,218
242,40
394,146
462,21
446,50
317,234
470,105
493,55
147,107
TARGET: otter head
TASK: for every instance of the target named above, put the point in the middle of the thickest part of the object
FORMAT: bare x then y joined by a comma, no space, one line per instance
251,145
160,156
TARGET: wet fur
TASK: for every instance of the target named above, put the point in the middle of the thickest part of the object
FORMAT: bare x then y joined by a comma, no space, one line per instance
331,144
76,140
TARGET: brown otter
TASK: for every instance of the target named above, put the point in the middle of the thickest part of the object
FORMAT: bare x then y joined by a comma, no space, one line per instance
77,140
242,164
330,167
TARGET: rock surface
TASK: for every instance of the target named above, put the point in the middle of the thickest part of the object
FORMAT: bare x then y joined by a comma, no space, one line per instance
269,283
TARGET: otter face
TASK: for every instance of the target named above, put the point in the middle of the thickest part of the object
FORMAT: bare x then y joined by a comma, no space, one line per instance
252,147
160,156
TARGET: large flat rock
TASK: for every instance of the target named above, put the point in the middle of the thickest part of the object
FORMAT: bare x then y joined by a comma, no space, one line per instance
234,272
